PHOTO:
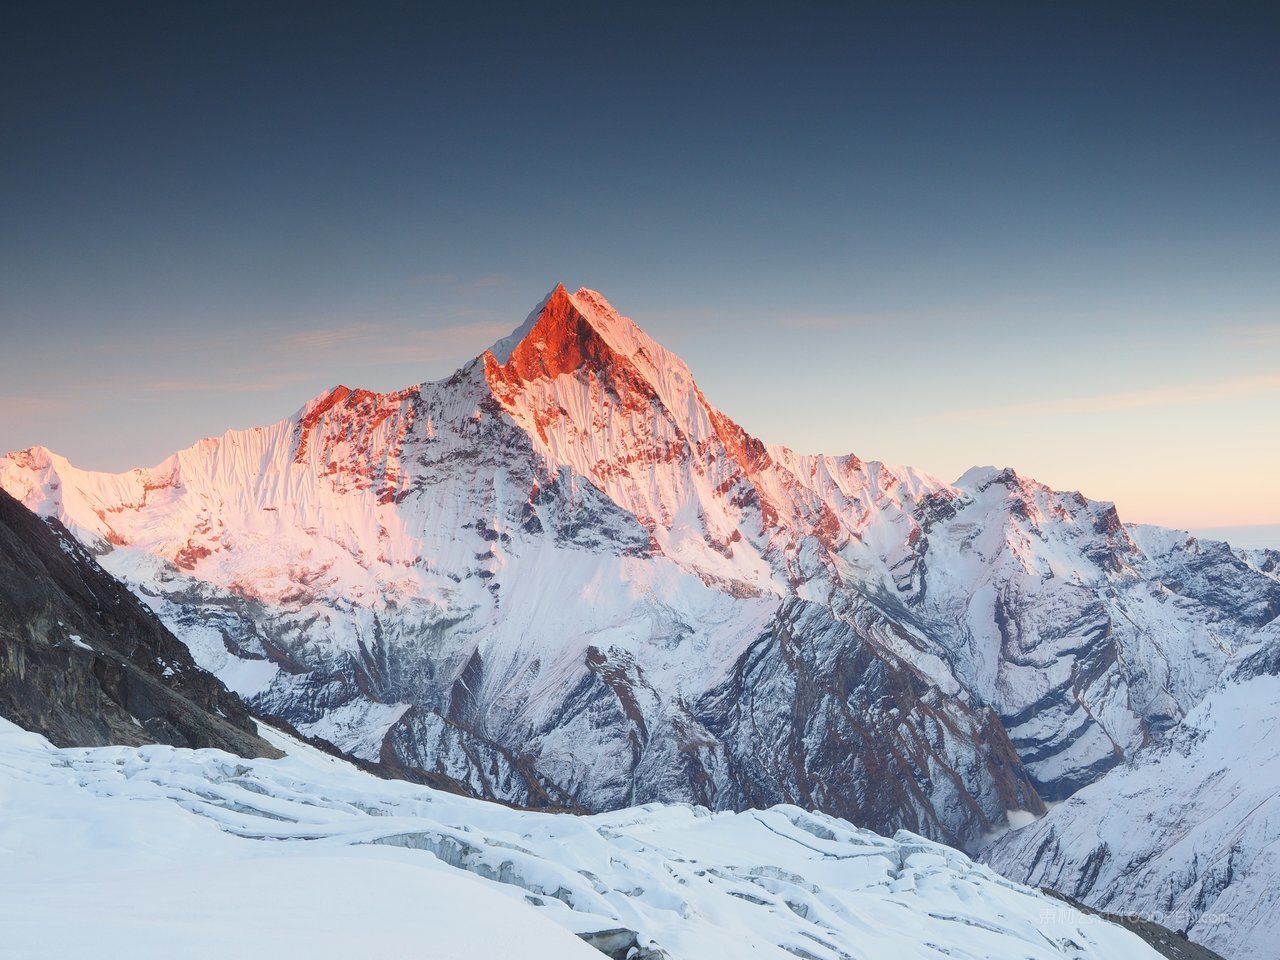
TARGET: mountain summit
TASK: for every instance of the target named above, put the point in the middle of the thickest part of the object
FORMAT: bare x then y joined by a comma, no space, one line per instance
562,577
567,331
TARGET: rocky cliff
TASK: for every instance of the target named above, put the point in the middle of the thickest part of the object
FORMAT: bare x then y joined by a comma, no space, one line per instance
84,663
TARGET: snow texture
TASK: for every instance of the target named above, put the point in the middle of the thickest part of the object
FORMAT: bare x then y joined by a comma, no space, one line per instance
153,852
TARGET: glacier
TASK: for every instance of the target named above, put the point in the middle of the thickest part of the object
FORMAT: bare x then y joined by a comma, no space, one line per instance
119,852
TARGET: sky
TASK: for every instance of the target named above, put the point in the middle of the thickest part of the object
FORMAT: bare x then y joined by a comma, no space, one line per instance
1040,235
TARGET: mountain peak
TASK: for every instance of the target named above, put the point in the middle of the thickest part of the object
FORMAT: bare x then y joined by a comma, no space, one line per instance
559,340
566,332
503,348
35,458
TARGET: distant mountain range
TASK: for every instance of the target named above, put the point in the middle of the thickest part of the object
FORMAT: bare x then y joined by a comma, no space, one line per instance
561,577
1257,536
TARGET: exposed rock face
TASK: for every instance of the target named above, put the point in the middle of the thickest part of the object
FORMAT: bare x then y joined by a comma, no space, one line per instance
561,576
1188,831
427,741
84,663
864,735
619,943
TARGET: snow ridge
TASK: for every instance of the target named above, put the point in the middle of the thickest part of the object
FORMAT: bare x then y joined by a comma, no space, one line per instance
678,882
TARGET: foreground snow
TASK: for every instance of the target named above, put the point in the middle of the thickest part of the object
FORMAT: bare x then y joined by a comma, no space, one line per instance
144,852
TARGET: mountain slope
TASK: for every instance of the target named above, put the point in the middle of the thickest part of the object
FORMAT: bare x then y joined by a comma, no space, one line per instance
562,576
308,857
84,663
1188,832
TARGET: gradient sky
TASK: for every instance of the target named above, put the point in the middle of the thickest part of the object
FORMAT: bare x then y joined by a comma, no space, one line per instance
1044,235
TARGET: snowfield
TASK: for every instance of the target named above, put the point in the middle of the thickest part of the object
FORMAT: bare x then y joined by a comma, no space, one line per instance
156,852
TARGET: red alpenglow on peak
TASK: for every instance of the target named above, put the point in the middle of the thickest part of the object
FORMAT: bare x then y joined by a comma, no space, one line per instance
600,395
568,333
561,340
581,335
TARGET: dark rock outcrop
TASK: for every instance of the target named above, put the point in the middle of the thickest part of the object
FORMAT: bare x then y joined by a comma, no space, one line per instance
817,713
85,663
1162,940
619,943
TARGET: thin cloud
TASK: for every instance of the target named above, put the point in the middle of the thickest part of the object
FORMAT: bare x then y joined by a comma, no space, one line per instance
836,321
1174,396
399,345
455,282
17,407
227,363
1260,335
284,361
949,313
352,343
233,384
322,340
488,282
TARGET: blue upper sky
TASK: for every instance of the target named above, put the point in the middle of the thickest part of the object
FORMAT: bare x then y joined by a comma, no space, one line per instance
1038,234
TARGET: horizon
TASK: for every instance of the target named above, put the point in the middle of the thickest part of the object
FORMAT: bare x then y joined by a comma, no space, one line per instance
1243,536
1065,265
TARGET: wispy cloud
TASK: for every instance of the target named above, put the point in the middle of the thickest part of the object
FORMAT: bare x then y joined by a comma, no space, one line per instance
946,313
1261,335
386,344
1171,396
462,284
282,361
236,382
836,321
325,339
231,362
16,407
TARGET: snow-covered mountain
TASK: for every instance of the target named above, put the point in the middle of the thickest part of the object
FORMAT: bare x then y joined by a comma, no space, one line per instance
148,852
1188,831
563,577
84,663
